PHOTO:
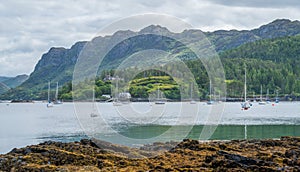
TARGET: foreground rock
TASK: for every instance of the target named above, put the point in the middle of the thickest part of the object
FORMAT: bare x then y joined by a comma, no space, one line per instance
95,155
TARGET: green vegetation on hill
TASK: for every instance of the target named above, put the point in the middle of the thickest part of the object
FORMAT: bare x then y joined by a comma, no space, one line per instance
138,88
141,88
273,63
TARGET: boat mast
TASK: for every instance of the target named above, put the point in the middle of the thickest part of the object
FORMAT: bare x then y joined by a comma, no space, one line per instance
261,93
49,92
245,86
191,90
93,94
117,89
56,93
210,90
157,92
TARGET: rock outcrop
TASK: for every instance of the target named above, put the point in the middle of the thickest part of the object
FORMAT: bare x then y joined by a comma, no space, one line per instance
188,155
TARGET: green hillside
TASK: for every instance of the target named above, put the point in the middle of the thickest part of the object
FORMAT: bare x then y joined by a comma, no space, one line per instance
273,63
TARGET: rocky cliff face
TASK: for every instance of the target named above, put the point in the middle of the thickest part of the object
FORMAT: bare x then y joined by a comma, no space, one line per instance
225,40
56,57
278,28
56,65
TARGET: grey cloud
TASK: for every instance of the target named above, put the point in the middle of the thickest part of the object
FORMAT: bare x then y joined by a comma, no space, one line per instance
152,4
29,28
259,3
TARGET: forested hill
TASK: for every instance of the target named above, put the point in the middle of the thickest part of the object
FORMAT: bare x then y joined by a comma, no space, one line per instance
278,50
273,63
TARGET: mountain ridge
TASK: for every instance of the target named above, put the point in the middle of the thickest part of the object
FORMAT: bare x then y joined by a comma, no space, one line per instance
58,63
228,39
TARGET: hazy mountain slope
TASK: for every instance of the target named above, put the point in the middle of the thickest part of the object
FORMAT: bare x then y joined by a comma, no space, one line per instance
7,83
3,78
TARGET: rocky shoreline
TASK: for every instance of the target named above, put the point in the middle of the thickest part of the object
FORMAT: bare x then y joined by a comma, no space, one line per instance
188,155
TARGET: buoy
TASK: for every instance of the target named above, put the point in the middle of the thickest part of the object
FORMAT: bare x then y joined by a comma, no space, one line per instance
273,104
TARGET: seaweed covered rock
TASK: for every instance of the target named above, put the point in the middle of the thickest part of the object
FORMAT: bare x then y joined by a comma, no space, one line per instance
188,155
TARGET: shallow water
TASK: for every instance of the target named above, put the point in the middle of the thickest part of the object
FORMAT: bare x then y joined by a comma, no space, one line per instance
139,123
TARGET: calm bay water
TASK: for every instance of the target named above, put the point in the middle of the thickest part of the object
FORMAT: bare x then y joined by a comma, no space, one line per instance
31,123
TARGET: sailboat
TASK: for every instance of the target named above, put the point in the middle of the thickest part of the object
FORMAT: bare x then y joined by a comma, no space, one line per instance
116,101
192,100
261,102
246,104
254,98
210,102
267,96
159,100
56,96
49,104
94,110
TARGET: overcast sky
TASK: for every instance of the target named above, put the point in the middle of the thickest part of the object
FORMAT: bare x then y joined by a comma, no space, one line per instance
29,28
